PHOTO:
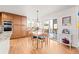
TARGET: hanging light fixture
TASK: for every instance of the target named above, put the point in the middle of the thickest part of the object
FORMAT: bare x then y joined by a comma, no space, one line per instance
37,27
37,20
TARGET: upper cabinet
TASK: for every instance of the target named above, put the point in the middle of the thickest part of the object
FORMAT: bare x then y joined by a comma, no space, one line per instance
7,17
17,20
24,21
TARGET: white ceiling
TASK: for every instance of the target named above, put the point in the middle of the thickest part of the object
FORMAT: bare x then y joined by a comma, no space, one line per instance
30,10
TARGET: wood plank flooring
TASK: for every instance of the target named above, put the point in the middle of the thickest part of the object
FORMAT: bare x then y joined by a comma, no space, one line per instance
25,46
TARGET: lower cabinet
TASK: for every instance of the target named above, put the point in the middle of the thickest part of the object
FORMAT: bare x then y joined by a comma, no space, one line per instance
18,31
23,31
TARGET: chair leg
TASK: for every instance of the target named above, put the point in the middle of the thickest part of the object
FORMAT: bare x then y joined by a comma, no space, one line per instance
46,42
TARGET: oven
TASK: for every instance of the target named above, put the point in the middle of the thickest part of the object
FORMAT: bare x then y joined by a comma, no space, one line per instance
7,25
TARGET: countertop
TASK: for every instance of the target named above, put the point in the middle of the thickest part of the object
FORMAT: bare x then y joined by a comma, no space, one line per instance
5,35
5,42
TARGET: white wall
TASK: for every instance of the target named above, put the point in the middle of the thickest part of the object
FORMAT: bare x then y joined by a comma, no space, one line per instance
77,21
63,13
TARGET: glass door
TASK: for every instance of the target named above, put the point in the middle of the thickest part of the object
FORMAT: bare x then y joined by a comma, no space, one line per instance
53,29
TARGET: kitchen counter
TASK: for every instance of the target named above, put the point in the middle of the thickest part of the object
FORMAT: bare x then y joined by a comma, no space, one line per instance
5,42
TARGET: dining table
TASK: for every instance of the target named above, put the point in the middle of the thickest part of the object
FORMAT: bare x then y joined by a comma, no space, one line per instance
39,39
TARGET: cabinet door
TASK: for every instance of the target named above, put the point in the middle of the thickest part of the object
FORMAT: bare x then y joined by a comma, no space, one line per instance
19,31
4,15
16,31
4,18
24,21
17,20
10,16
23,31
7,17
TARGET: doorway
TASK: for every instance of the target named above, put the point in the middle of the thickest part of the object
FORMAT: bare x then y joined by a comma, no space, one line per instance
53,27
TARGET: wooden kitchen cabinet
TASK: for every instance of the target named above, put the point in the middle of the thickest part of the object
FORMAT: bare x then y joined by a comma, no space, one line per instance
19,24
24,22
19,31
4,16
0,19
23,30
16,31
7,17
17,20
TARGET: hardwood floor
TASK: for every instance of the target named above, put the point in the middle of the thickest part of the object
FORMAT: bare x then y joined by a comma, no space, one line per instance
25,46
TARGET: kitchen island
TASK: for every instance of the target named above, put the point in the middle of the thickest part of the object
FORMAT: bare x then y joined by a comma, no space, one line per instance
5,42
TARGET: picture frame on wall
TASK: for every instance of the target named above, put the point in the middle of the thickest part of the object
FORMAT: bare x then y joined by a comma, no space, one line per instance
66,21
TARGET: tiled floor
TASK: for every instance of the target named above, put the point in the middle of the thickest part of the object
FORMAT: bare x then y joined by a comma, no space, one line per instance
25,46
